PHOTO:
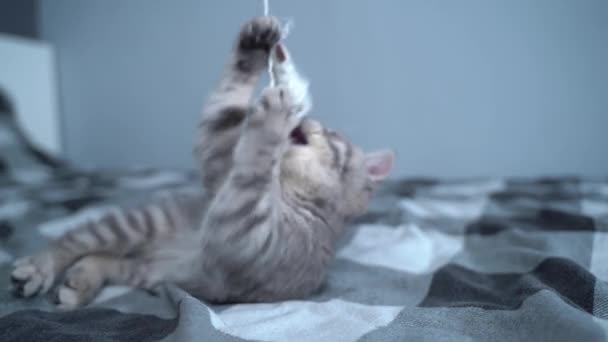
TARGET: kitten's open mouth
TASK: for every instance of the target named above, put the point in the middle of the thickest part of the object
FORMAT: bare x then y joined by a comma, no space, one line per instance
297,136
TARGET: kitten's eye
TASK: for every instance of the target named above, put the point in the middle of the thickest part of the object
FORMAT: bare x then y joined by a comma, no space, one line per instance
297,137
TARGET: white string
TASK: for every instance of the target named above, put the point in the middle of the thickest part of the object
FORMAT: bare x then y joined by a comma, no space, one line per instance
270,74
284,32
286,27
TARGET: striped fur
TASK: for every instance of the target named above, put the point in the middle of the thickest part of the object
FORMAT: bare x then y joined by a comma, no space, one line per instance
263,226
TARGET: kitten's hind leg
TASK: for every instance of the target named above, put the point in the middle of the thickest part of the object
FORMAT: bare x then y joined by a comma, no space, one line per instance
37,273
117,233
87,277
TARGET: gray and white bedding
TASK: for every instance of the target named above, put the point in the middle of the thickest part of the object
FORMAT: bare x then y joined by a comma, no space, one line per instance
478,260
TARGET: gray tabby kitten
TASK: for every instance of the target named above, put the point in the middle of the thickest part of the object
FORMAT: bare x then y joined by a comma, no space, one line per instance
278,190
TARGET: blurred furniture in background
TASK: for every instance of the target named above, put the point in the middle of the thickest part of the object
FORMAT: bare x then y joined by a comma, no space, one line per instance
28,79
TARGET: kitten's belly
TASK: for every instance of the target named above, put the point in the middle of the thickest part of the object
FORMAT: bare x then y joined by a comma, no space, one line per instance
248,275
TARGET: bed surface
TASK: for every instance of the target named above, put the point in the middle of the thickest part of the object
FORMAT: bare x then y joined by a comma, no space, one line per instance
482,260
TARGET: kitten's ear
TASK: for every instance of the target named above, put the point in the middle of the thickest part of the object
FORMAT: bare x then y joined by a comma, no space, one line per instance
379,164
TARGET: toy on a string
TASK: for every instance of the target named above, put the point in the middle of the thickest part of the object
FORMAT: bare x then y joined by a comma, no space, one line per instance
283,72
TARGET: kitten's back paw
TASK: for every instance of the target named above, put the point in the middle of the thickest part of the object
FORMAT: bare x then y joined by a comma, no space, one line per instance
32,275
82,283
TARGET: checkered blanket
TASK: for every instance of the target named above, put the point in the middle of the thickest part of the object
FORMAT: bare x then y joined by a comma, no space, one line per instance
486,260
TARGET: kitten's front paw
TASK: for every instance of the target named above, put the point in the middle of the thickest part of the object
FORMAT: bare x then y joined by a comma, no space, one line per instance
277,99
256,39
33,275
260,33
276,109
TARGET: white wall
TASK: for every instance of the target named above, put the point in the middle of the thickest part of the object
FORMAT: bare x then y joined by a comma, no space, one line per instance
457,88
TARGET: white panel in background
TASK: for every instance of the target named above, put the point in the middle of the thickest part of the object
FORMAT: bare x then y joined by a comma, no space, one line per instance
28,77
